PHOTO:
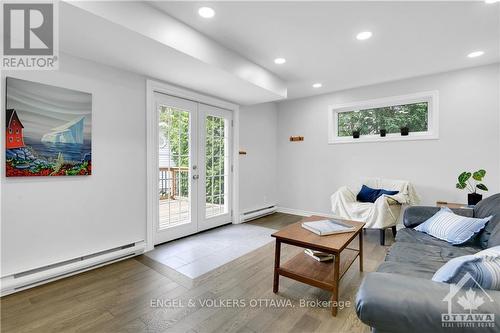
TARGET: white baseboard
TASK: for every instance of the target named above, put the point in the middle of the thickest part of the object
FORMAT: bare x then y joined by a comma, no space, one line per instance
300,212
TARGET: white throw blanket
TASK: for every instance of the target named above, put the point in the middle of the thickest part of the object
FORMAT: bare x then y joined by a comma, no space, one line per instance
386,210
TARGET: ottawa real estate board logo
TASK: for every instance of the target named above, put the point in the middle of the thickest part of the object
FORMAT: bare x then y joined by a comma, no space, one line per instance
465,302
30,35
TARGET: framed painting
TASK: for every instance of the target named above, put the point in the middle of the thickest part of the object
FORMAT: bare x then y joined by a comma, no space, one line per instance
48,130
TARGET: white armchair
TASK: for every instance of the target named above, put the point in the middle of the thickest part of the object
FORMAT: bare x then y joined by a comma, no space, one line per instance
383,213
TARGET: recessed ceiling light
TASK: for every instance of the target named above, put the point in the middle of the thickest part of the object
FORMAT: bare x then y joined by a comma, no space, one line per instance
364,35
317,85
206,12
491,1
279,61
475,54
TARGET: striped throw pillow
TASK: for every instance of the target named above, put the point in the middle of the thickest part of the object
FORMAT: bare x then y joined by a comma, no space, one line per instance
453,228
483,266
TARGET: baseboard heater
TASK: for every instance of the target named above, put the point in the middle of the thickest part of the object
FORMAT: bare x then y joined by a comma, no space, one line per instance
256,213
31,278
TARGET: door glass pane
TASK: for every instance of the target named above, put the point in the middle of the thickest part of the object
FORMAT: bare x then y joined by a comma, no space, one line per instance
216,160
174,185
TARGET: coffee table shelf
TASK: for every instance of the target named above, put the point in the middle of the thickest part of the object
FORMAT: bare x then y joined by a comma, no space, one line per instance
319,274
303,268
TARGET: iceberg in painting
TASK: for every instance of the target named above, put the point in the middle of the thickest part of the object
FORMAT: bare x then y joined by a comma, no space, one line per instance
48,130
71,132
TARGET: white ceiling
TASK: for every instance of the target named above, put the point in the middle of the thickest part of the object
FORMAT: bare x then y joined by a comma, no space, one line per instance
140,39
318,38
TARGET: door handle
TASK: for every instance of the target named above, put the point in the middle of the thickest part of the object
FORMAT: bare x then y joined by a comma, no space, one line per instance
195,177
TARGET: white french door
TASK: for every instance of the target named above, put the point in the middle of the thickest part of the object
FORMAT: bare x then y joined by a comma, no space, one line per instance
177,162
194,167
215,156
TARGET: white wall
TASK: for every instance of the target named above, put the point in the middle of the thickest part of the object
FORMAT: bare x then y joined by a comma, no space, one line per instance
310,171
258,187
47,220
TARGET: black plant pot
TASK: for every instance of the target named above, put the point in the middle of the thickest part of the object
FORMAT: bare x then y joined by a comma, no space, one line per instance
355,134
405,130
383,132
474,198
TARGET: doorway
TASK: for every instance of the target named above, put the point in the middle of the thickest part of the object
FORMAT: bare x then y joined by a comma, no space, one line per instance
194,164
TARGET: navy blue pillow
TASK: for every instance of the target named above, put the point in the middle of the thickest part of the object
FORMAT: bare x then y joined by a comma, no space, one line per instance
368,194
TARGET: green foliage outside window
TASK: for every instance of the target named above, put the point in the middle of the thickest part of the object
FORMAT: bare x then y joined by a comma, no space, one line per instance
390,118
174,126
215,151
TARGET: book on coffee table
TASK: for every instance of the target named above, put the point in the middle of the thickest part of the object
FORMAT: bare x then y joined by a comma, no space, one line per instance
327,227
319,255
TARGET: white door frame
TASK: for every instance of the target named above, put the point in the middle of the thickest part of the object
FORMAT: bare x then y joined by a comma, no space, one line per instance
153,86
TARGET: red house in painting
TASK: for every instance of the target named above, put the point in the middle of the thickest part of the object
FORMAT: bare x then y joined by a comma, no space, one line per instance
14,131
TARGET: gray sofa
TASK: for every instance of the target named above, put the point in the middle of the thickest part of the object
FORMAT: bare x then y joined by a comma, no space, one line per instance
401,297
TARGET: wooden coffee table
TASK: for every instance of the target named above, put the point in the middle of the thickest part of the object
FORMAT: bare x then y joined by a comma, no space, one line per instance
303,268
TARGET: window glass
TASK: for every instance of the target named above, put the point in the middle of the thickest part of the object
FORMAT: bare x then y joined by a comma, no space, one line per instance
391,118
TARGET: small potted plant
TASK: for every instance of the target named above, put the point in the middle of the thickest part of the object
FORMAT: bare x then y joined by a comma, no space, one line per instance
382,128
354,127
405,130
464,182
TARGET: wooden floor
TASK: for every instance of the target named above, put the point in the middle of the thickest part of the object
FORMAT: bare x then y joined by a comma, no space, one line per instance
119,297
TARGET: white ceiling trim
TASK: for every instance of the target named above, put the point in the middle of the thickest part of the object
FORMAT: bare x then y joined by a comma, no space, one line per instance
161,28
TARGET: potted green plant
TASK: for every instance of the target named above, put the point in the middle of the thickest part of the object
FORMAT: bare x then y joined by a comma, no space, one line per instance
402,119
382,128
464,182
354,127
405,130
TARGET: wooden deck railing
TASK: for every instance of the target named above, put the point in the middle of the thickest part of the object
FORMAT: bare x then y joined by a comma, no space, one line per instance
170,182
